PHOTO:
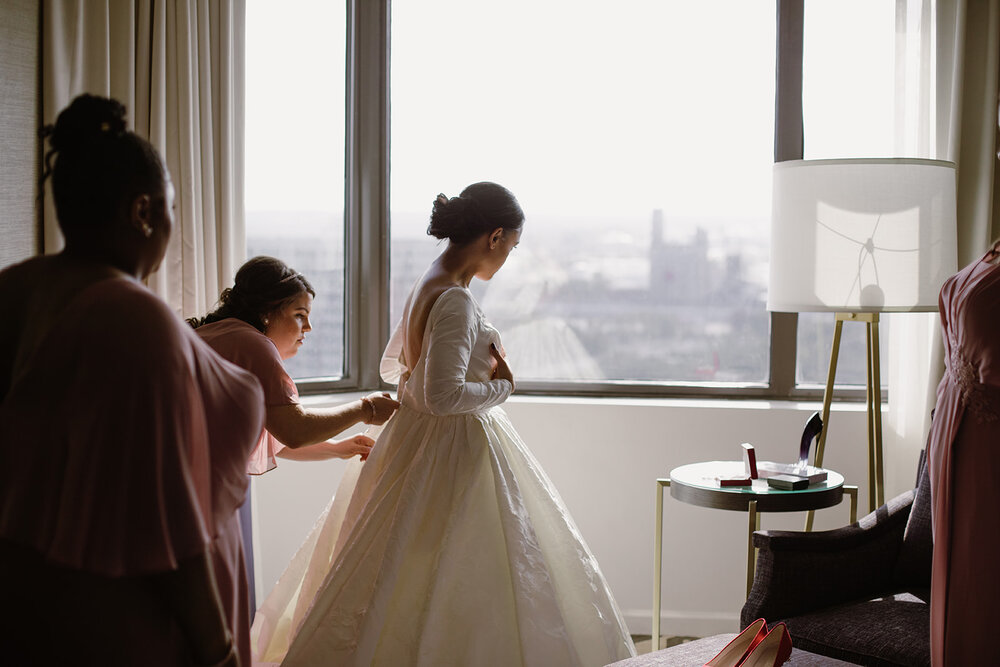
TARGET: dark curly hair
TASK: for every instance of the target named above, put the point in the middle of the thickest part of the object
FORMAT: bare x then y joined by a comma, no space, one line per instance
481,208
99,165
263,285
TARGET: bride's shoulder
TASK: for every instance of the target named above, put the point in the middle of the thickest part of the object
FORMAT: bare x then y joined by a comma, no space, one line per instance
429,301
455,294
454,299
434,296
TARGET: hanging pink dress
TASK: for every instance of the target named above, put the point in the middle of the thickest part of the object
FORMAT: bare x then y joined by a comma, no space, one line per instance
965,472
123,446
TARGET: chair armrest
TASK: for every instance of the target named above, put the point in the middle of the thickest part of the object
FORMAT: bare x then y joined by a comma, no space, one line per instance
798,572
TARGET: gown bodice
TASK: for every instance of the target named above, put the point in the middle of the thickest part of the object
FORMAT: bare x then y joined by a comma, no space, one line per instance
452,374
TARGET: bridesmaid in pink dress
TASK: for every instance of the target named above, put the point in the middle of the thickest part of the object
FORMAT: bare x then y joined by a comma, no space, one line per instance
261,321
965,470
119,543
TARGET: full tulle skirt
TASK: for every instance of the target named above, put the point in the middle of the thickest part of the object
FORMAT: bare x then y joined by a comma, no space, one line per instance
455,549
286,605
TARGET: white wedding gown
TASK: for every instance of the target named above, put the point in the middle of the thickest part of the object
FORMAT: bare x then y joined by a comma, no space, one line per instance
455,548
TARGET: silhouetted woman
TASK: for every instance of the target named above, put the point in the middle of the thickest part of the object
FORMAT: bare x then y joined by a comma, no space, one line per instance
123,437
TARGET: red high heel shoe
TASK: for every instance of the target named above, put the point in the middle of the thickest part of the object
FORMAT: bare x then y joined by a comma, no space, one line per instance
772,651
734,652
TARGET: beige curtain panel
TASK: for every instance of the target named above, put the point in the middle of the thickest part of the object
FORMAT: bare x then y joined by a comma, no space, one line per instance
971,66
177,65
947,75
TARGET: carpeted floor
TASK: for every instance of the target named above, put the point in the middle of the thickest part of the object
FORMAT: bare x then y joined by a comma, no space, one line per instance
643,643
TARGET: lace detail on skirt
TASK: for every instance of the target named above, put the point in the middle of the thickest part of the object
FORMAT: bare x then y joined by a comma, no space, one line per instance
979,399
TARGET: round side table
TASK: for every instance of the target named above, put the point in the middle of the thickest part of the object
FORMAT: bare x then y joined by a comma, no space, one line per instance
697,484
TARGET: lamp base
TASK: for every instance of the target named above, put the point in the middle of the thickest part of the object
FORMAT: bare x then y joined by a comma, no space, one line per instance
873,398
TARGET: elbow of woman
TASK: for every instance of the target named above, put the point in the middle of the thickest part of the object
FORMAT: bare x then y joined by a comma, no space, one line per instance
441,404
289,424
293,442
289,439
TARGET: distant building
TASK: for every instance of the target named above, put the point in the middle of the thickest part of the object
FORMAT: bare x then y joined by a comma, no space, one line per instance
320,258
679,273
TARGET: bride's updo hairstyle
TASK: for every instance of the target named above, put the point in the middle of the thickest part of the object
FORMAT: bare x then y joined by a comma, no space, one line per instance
481,208
100,166
263,285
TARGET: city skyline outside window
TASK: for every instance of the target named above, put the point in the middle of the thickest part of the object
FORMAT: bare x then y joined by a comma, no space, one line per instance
640,148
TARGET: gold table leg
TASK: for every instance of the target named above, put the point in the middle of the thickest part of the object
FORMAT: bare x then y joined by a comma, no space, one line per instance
658,563
754,524
852,491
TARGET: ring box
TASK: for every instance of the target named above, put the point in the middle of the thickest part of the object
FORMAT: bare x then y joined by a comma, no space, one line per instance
749,460
734,481
787,482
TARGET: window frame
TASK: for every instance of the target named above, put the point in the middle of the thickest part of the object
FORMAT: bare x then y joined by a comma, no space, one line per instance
367,224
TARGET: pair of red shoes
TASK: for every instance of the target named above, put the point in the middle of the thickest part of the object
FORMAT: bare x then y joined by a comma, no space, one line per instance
756,647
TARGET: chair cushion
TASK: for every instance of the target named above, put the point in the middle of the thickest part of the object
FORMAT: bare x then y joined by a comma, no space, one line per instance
887,632
913,568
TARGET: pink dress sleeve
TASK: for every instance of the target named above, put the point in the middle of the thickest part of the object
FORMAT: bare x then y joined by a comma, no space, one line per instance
279,389
246,347
106,463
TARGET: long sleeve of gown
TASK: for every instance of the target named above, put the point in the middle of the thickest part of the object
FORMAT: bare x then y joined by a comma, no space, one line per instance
452,337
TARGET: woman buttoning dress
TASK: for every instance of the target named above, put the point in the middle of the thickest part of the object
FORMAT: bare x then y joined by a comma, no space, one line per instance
965,469
261,322
456,548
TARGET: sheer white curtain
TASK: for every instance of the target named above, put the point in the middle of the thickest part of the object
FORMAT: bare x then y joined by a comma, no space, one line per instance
947,75
177,65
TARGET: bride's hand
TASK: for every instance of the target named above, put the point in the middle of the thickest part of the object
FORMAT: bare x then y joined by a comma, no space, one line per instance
502,370
493,360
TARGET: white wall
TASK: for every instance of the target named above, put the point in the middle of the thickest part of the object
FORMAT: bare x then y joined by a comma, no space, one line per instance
604,456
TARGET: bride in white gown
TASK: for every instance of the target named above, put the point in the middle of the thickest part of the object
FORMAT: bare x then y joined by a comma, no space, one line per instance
455,548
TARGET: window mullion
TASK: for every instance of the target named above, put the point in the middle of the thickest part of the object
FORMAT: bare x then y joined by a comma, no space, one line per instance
367,183
787,146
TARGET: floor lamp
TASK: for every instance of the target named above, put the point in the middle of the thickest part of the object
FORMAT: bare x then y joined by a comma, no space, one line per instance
860,237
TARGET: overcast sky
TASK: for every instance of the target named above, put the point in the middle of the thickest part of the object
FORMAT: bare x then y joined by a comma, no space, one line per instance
581,108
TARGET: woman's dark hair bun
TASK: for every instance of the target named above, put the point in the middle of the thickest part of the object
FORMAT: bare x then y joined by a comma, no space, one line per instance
88,118
96,164
481,208
452,218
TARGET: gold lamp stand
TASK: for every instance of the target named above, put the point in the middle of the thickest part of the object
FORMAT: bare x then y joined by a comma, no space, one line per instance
876,484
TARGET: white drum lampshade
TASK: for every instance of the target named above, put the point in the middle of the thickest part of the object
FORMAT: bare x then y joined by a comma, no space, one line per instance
861,235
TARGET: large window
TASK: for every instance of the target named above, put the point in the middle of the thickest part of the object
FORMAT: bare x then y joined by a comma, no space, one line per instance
295,159
849,110
639,137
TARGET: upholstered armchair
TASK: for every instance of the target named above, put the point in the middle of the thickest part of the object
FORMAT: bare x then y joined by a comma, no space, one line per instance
858,593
